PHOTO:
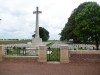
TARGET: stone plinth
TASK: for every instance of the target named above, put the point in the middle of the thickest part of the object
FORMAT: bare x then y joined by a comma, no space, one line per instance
64,54
1,53
42,54
36,42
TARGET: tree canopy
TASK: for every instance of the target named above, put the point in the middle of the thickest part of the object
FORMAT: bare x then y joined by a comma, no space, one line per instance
44,34
84,24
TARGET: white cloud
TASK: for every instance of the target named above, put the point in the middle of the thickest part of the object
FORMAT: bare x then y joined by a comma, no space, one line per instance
18,20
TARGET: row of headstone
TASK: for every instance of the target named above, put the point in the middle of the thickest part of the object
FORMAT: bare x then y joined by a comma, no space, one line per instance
82,47
76,46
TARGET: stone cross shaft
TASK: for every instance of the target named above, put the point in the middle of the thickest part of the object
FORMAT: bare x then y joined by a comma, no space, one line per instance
37,22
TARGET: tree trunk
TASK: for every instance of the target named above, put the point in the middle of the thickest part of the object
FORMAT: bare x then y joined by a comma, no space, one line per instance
97,41
97,45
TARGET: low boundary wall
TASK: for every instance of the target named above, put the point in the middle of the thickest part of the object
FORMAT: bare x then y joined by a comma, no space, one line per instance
84,51
22,58
84,56
66,55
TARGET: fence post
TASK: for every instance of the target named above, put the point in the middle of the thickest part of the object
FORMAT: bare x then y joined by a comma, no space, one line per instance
64,54
42,54
1,53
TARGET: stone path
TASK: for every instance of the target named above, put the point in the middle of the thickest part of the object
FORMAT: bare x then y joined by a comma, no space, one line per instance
36,68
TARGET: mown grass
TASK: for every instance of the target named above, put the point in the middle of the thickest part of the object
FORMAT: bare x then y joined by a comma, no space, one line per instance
55,55
13,41
17,51
50,44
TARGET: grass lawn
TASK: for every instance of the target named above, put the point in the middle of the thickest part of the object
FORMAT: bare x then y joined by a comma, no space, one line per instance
13,41
17,51
54,55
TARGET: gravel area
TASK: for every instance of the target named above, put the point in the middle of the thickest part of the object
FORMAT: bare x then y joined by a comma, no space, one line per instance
35,68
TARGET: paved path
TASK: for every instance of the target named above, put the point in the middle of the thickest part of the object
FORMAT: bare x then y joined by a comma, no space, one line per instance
35,68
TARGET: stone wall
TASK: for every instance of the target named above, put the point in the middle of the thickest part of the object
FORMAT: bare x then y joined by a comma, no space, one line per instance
84,51
66,55
1,54
21,58
84,56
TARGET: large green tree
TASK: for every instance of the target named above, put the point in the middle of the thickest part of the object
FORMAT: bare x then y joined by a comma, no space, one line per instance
84,24
44,34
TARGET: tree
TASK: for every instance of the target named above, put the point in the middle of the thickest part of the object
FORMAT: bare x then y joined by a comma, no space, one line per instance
85,23
67,32
44,34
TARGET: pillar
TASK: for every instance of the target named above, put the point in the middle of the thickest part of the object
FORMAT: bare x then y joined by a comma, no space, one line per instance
42,54
64,54
1,53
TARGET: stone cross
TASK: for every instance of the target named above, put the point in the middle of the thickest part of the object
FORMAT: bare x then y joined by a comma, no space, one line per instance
37,22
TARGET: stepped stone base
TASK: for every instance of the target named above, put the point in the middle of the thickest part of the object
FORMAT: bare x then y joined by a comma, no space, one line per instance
36,42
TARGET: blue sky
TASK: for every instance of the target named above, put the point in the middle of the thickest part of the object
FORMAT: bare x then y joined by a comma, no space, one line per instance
18,20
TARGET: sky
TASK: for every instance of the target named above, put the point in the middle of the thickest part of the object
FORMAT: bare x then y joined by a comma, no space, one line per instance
18,20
